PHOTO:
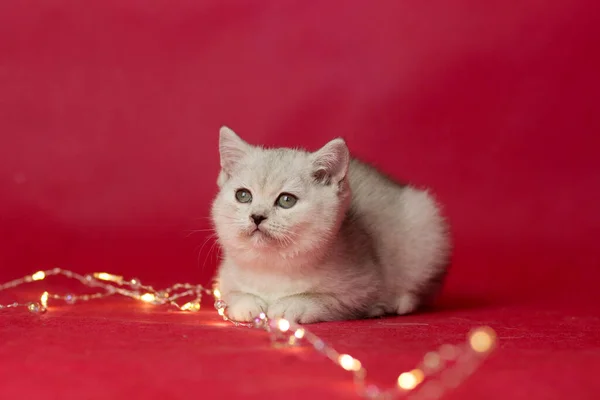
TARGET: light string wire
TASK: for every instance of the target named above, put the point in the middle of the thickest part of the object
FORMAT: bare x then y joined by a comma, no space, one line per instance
439,370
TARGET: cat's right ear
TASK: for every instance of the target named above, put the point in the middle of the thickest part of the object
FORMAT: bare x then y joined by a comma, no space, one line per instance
331,162
231,149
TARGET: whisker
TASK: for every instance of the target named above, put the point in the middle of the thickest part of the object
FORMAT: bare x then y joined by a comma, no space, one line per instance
206,258
191,232
208,238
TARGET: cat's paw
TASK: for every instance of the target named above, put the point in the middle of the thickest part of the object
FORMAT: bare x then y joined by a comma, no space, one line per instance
406,304
244,307
297,309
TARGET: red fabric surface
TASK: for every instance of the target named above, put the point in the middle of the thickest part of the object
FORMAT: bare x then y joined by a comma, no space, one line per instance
116,351
109,113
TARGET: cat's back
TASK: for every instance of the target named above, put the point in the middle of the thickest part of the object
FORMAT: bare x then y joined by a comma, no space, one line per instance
371,189
389,209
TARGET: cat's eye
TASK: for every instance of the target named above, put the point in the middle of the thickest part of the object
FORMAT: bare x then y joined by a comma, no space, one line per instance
286,200
243,196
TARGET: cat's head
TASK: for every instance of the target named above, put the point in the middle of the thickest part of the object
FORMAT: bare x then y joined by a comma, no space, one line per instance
279,203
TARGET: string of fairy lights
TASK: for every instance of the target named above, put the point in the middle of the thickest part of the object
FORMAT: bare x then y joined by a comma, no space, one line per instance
439,371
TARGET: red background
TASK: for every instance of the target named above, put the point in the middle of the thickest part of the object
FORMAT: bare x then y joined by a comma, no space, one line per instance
109,118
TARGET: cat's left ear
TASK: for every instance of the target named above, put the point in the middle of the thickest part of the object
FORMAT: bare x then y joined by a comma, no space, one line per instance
331,162
231,149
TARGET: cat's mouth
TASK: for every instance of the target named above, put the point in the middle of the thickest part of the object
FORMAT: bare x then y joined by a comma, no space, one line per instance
257,232
259,238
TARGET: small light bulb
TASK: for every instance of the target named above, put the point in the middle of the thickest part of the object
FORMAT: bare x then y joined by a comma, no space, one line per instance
410,380
135,283
220,304
217,294
38,276
44,299
147,297
221,311
482,340
103,276
299,333
191,306
283,325
349,363
36,308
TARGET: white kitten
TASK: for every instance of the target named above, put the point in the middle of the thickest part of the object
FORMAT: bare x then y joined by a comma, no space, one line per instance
319,236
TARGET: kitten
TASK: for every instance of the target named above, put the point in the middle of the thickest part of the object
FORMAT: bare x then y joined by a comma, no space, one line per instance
320,236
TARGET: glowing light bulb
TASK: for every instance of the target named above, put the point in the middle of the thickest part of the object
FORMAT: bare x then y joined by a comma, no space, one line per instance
221,311
349,363
191,306
147,297
44,299
38,276
217,294
104,276
283,325
299,333
135,283
410,380
482,340
36,308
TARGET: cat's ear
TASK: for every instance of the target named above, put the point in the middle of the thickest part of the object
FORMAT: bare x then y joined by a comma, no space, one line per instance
330,163
231,149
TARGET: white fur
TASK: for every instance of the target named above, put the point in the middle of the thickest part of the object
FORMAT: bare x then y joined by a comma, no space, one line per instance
356,244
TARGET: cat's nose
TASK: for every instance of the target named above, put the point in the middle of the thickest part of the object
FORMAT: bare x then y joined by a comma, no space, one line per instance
258,218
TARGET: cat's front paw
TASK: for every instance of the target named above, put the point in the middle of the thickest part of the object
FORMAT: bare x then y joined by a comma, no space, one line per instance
244,307
299,309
